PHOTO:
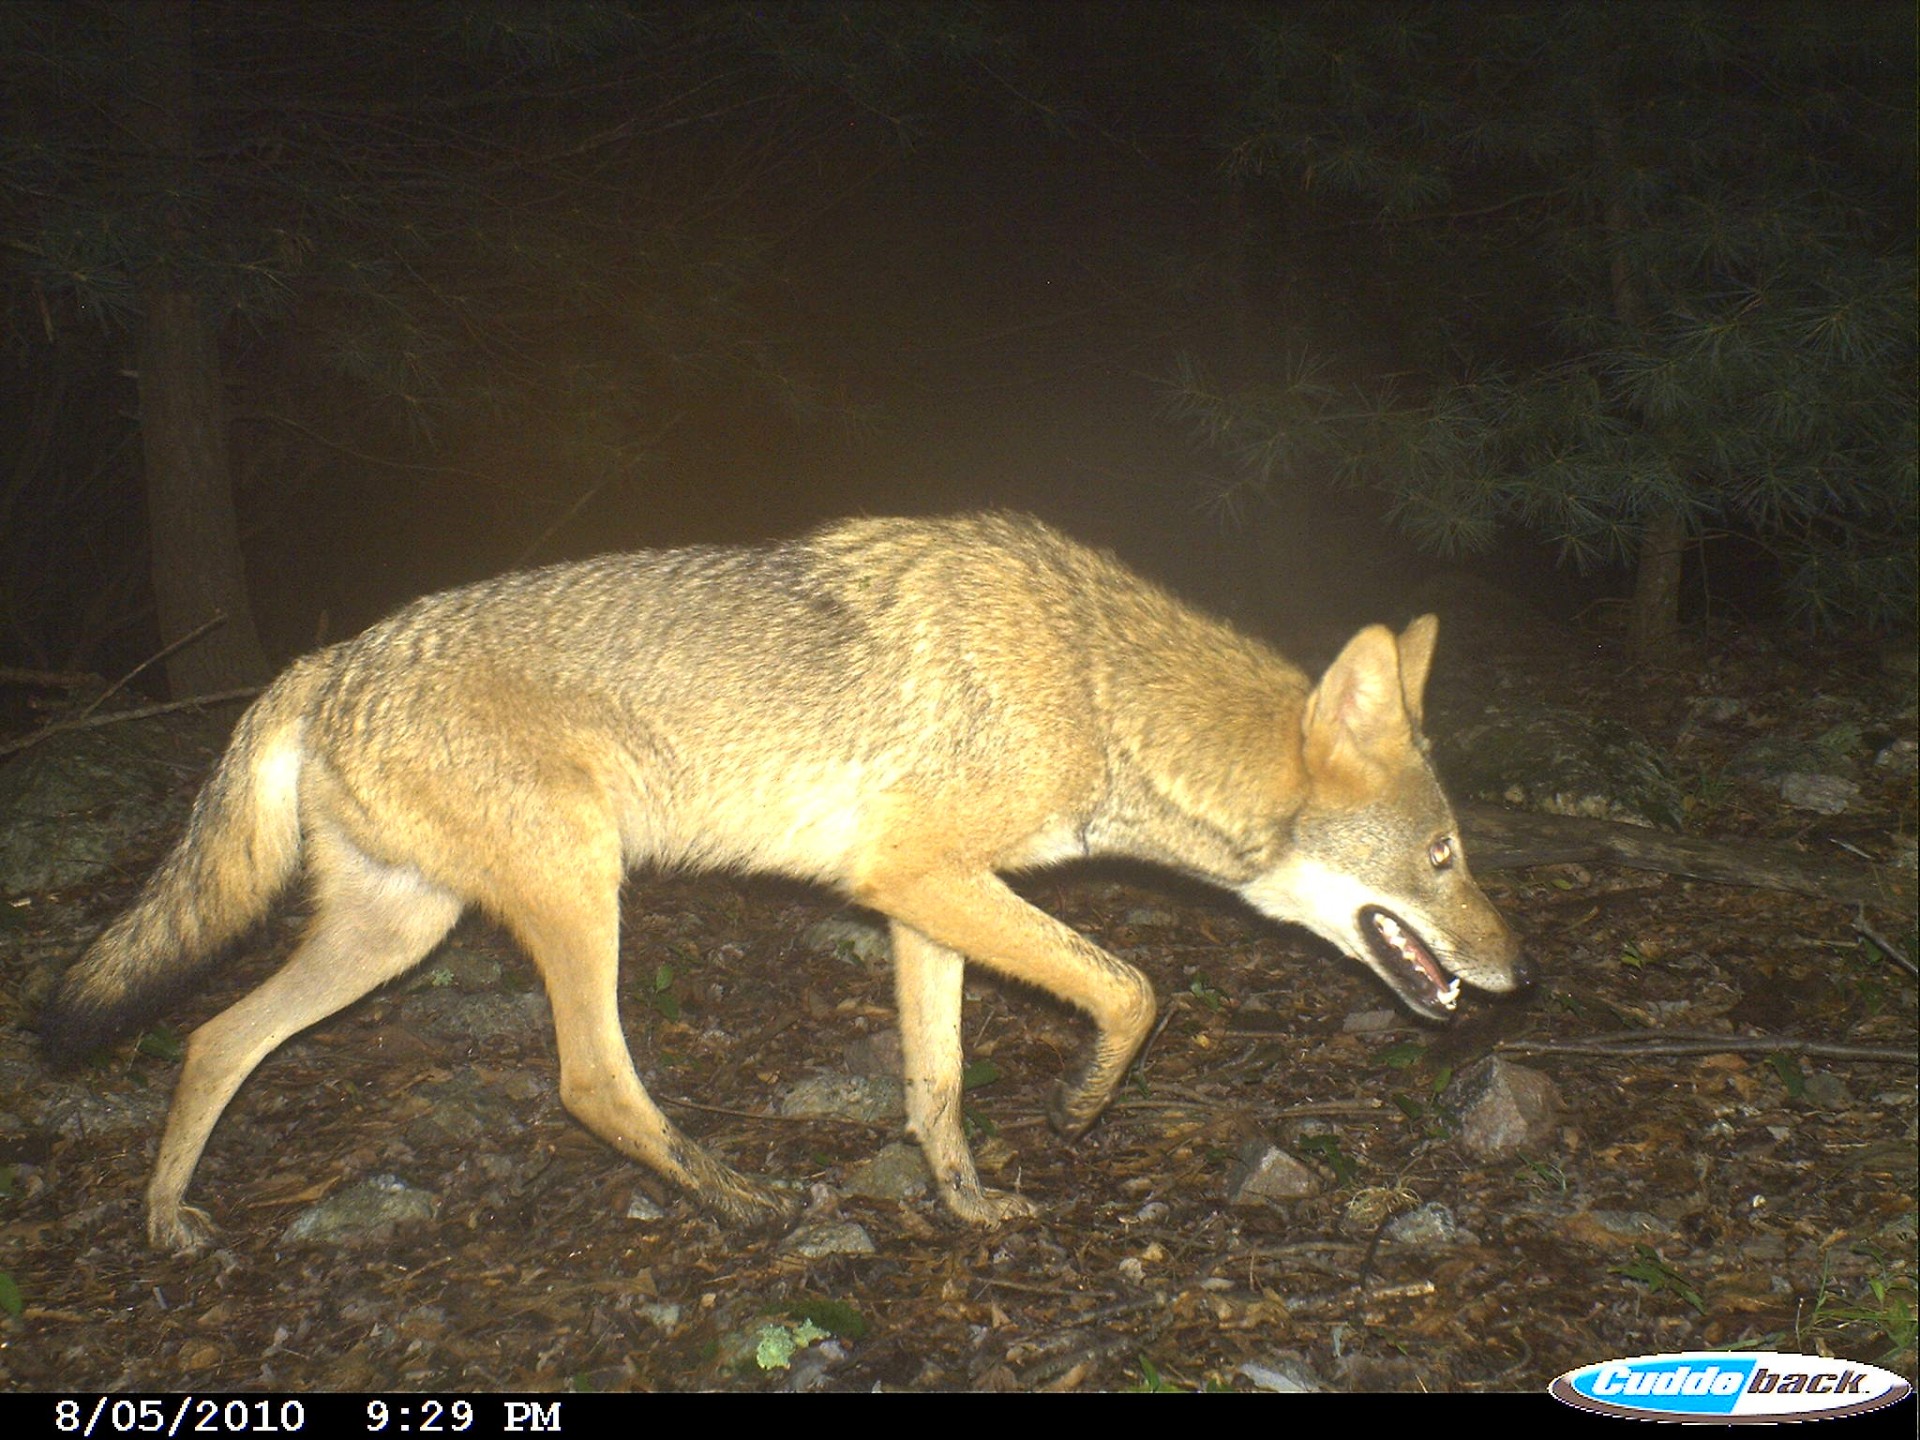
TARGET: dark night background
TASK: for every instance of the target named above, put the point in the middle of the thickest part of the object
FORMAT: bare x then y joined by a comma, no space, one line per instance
1293,305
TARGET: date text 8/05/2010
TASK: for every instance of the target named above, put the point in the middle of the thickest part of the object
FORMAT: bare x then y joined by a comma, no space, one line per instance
106,1417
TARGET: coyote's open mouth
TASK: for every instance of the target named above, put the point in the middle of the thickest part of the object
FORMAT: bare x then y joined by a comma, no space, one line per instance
1409,965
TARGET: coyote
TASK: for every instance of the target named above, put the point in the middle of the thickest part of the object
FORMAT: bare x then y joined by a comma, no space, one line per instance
900,709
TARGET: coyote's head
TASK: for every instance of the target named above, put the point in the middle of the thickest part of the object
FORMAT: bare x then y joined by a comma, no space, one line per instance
1374,863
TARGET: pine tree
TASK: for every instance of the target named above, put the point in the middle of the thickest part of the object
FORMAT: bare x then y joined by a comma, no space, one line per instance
360,229
1655,269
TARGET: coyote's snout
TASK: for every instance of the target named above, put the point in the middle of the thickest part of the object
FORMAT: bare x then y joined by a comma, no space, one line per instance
901,709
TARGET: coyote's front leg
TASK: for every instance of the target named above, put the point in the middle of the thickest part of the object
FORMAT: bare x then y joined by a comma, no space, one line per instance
929,980
937,920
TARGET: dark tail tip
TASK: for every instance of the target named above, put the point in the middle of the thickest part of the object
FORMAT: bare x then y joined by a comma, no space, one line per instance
66,1038
72,1031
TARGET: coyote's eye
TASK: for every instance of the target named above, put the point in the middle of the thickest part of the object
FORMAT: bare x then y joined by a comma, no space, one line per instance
1440,852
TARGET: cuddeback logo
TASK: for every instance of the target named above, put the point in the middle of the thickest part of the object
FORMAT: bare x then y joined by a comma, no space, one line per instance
1717,1385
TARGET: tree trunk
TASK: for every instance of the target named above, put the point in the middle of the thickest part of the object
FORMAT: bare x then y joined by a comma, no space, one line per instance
1653,624
197,568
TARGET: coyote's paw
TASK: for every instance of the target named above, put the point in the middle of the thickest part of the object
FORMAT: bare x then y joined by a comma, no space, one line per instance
1074,1107
978,1205
180,1229
745,1204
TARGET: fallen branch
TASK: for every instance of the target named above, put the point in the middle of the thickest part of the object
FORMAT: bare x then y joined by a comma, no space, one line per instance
218,619
87,720
1885,946
139,712
1679,1042
48,679
1511,839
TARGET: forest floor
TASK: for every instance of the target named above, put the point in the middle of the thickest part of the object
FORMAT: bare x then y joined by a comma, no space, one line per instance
1735,1197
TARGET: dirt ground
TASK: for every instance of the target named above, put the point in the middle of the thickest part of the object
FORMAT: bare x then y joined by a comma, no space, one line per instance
1745,1196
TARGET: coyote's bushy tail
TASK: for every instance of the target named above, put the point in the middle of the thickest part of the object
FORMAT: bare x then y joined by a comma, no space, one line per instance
240,850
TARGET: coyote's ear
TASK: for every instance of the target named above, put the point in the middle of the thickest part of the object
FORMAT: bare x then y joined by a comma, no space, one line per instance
1358,713
1416,659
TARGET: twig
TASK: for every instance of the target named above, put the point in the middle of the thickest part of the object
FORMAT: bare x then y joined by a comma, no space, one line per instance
580,503
219,617
47,679
139,712
1656,1042
1892,951
85,721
